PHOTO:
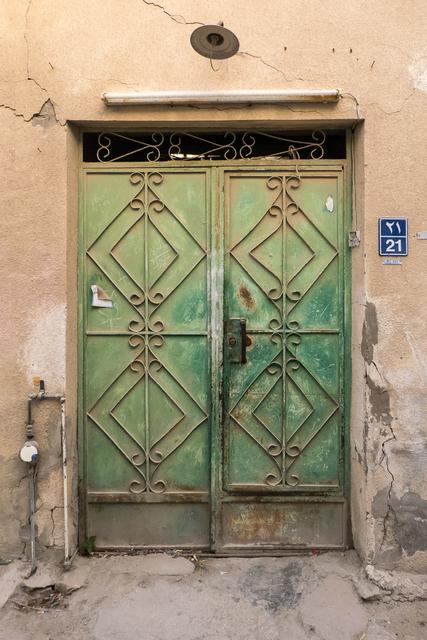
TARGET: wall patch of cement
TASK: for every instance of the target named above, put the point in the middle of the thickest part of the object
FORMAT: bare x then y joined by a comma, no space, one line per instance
369,332
418,71
43,352
410,522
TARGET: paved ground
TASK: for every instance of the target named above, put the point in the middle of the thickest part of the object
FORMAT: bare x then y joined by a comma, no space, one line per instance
158,597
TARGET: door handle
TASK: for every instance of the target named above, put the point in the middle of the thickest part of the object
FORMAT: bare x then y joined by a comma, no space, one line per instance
236,340
243,359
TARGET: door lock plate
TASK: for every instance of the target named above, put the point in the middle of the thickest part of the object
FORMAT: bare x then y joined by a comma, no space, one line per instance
236,340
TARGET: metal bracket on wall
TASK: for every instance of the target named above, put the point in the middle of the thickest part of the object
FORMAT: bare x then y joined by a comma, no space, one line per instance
354,239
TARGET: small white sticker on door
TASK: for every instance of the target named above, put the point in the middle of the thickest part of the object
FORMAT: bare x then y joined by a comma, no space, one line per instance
329,204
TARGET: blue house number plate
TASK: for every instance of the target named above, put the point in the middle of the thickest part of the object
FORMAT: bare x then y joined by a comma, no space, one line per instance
393,236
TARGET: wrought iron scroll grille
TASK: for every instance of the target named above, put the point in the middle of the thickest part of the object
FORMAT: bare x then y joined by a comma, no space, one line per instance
147,333
284,292
116,146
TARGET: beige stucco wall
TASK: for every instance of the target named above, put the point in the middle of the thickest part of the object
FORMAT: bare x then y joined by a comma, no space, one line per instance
56,59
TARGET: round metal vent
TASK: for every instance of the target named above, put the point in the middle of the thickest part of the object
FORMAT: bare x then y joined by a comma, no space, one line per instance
214,41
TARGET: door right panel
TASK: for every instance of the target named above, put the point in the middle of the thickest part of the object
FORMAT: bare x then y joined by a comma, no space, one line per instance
283,418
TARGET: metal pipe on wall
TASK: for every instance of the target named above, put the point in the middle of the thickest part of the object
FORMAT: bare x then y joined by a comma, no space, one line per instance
29,454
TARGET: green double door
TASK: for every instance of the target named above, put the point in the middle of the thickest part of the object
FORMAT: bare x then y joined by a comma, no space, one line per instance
213,375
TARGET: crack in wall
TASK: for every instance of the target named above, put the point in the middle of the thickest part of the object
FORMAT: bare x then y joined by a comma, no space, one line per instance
265,63
390,515
391,113
171,15
27,46
52,533
380,409
183,20
379,398
45,116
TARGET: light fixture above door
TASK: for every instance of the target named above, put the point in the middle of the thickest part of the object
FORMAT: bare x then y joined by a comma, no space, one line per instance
214,41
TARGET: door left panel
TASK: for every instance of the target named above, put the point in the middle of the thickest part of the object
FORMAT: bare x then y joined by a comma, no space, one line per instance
145,245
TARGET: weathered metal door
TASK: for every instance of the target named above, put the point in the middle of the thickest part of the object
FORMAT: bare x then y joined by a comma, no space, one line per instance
147,391
284,310
213,377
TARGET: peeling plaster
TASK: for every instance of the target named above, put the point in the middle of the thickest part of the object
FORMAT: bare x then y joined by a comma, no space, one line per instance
411,522
43,352
370,333
380,411
45,117
418,72
405,522
379,395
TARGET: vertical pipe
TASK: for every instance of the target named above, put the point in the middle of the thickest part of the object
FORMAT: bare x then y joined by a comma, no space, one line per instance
32,491
29,413
65,481
42,395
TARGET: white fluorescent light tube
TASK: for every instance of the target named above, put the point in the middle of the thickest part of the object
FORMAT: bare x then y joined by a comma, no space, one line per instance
269,96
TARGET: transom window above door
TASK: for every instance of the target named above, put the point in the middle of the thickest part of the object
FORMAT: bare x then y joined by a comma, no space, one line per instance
160,146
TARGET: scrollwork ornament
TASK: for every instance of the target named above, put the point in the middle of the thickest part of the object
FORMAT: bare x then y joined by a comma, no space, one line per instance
155,178
319,137
115,146
274,182
155,366
174,146
292,479
294,296
292,208
273,479
137,299
156,341
230,151
275,211
157,206
158,486
275,325
136,204
292,365
246,149
104,149
293,450
153,153
293,340
276,338
138,459
156,456
136,326
274,368
274,449
137,366
293,325
275,293
137,486
136,341
157,326
137,178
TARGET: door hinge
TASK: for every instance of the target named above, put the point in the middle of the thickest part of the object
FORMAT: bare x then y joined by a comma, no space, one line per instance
354,239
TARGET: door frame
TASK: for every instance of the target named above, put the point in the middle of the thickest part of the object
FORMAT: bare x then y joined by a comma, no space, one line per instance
216,282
